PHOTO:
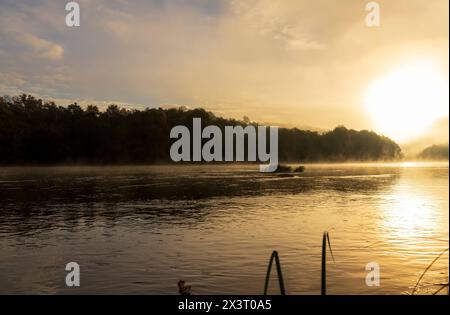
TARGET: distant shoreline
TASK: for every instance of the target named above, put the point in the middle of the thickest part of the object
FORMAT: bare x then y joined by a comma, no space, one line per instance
34,131
324,163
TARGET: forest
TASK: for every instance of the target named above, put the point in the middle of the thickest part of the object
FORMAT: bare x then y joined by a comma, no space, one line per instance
435,153
34,131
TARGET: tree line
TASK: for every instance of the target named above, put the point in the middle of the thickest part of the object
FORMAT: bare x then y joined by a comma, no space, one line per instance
435,152
33,131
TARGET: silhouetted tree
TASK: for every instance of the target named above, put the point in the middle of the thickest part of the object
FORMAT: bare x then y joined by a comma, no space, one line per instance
34,131
435,152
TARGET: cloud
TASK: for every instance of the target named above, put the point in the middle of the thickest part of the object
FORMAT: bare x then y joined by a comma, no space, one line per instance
299,62
39,47
18,28
271,19
14,78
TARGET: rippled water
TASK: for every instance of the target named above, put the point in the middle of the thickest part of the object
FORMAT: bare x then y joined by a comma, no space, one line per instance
141,229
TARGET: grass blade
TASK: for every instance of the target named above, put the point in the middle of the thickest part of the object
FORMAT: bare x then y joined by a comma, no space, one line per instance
425,271
441,288
323,287
275,257
325,240
329,246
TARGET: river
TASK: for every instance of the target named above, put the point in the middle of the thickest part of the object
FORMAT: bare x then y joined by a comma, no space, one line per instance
141,229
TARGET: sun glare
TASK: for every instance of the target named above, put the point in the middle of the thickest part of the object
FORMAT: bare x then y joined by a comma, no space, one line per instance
406,102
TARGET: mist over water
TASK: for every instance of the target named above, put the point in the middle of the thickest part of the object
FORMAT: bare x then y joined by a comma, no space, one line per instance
140,229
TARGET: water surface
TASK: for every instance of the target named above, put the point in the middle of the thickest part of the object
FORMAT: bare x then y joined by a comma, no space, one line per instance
140,229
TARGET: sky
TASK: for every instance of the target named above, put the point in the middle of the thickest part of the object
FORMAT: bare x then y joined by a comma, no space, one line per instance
293,63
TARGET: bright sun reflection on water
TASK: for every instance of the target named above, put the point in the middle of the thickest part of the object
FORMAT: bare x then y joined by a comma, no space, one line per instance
410,164
408,215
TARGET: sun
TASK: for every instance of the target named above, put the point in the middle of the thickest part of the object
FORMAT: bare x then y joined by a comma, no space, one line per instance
406,102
